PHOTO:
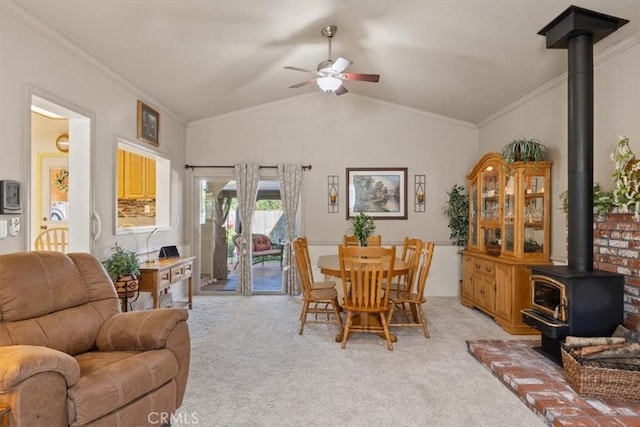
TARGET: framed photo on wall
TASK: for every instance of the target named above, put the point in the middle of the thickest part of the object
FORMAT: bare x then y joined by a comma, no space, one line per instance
148,124
381,193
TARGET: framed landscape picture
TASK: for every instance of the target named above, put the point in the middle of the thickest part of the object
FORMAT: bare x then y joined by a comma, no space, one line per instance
381,193
148,124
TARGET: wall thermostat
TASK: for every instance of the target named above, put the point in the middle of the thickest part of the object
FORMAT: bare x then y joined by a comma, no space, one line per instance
10,198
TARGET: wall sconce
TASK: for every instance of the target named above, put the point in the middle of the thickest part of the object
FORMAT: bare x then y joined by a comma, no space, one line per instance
332,194
419,184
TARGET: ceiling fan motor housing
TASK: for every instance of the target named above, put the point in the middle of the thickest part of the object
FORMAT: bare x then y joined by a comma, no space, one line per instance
324,66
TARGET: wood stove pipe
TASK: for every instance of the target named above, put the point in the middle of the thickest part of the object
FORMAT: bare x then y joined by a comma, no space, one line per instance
577,30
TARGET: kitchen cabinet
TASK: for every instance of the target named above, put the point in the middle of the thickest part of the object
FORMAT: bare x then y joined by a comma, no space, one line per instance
136,176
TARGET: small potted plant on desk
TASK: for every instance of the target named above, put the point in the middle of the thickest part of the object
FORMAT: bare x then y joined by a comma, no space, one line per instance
123,266
363,227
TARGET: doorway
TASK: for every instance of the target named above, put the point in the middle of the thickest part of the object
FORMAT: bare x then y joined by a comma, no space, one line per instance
60,190
220,224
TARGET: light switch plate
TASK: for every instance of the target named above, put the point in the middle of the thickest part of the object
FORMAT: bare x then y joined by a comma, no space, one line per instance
14,226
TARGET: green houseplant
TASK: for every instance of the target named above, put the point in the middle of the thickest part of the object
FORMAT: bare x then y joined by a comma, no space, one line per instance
603,201
122,264
457,210
363,227
524,150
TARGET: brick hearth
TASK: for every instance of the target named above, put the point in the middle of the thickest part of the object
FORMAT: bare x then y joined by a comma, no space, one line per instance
541,385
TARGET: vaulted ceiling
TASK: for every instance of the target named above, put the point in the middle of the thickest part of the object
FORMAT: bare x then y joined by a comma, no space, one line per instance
464,59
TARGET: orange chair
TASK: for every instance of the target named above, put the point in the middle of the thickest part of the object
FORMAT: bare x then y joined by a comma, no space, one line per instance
303,250
375,240
366,272
411,255
321,300
413,297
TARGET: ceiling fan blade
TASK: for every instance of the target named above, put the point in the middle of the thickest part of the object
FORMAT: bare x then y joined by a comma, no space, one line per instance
304,83
361,77
340,65
341,90
299,69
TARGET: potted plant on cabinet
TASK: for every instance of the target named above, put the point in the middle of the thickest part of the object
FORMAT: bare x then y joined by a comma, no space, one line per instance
123,266
524,150
363,227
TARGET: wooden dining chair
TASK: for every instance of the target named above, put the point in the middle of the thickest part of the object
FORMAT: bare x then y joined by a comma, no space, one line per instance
375,240
321,301
406,305
303,250
53,239
365,272
410,255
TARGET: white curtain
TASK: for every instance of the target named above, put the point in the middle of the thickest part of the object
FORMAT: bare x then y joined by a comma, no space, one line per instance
290,178
247,179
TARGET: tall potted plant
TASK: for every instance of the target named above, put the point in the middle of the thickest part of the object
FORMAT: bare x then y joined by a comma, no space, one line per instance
123,266
457,210
363,227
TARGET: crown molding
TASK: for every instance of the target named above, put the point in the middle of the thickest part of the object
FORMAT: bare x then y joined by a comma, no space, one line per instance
73,49
598,58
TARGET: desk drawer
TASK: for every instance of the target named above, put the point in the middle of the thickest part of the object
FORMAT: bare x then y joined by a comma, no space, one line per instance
177,273
188,269
484,266
164,278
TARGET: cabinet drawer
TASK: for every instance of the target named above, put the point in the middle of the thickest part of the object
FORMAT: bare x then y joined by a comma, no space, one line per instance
177,273
484,266
164,278
188,269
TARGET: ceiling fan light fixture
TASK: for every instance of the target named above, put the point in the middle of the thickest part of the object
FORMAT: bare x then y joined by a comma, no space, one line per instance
329,84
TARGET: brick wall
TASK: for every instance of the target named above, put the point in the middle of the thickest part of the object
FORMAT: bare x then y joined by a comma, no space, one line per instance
616,248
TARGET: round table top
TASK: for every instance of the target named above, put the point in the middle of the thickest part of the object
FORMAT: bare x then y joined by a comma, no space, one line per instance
329,265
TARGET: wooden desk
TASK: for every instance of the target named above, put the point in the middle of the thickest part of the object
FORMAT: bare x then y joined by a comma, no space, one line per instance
158,276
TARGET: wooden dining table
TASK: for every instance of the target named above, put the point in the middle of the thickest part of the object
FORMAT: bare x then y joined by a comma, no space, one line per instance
329,265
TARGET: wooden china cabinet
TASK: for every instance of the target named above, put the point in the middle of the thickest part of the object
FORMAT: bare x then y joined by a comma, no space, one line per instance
509,227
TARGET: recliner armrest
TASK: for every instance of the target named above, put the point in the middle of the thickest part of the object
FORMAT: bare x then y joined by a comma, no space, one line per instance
139,330
20,362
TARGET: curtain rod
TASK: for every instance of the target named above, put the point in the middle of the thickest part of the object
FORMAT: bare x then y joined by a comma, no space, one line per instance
304,168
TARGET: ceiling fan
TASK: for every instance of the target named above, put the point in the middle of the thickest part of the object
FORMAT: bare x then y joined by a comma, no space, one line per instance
330,73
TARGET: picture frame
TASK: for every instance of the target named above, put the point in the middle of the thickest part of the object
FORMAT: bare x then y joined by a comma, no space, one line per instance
380,193
148,124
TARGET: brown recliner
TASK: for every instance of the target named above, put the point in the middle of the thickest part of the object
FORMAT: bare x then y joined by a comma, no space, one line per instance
68,356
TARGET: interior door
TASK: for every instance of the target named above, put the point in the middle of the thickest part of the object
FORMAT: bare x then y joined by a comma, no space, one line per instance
54,184
52,201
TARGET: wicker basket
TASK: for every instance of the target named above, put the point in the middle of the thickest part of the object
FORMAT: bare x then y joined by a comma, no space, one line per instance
591,381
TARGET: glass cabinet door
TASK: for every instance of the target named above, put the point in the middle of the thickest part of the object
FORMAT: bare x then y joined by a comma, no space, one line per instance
473,214
509,213
534,212
490,197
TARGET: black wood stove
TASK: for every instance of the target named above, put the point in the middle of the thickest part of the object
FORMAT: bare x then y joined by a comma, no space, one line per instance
574,299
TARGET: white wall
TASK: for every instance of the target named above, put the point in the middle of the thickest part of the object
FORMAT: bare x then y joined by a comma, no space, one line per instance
543,115
334,133
31,62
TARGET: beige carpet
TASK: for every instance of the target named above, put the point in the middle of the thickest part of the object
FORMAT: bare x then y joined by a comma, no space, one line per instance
249,367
